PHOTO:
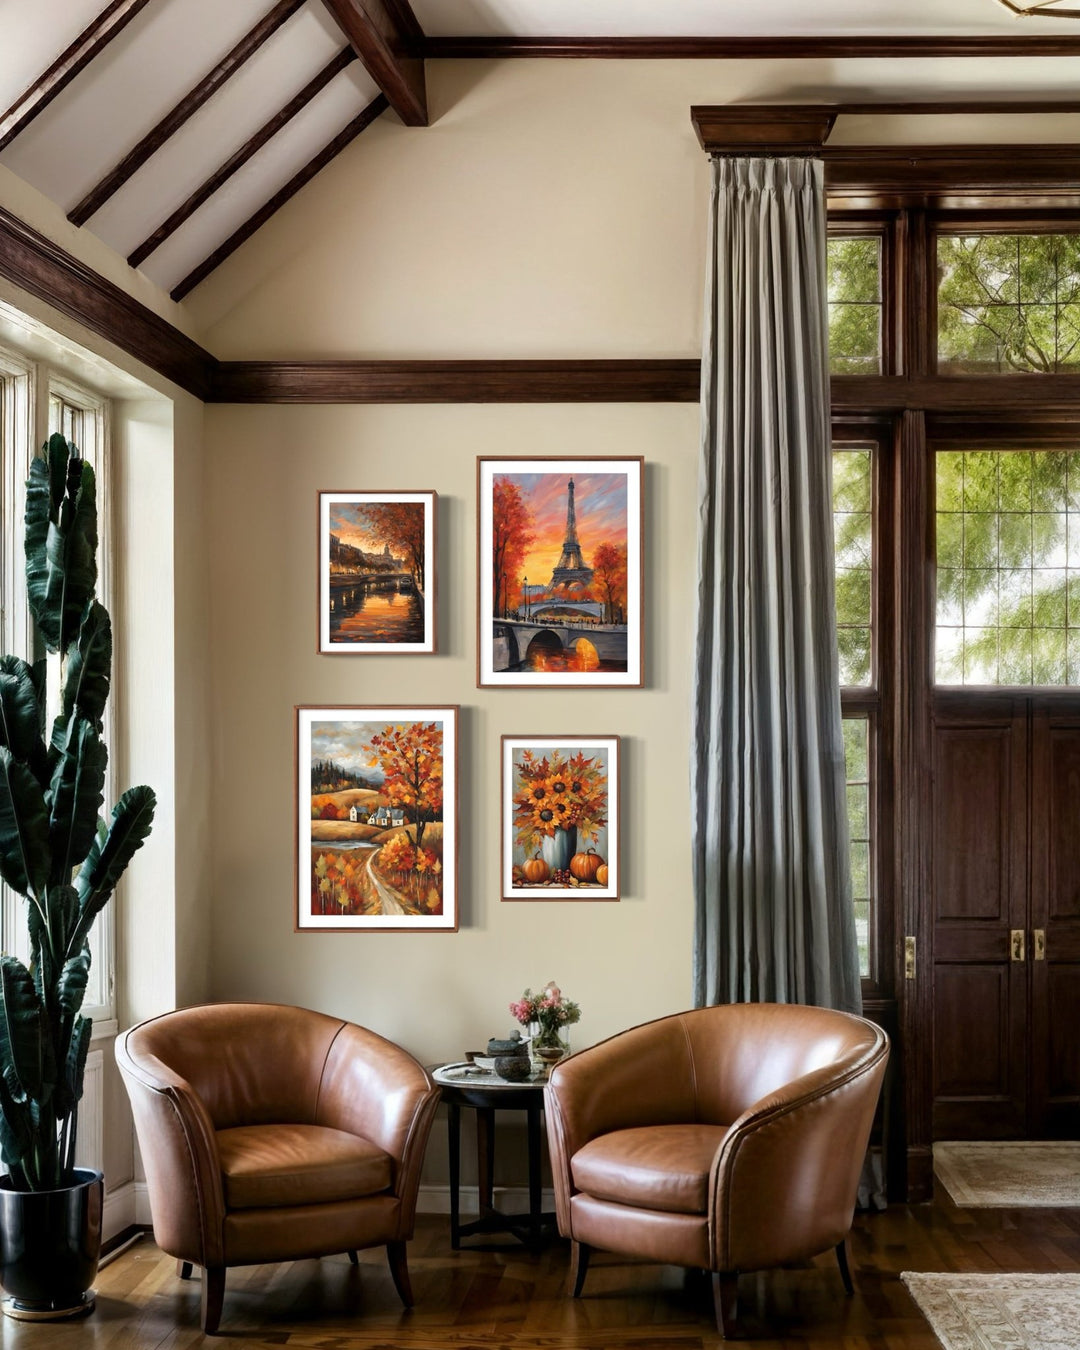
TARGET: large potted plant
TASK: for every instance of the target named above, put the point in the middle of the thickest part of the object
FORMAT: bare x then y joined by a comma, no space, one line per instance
58,854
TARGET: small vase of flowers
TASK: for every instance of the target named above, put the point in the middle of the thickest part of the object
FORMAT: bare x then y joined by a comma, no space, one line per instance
546,1014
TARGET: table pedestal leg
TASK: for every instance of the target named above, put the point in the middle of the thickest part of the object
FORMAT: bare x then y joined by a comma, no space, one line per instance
453,1130
485,1159
535,1191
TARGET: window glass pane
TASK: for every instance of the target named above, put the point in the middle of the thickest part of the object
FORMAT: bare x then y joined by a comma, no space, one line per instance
853,536
855,305
857,757
1008,302
1008,567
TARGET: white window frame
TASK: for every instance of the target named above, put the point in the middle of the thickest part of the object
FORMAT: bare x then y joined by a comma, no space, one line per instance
35,400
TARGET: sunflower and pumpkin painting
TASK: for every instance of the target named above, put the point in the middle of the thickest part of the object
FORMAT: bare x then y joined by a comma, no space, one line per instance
561,820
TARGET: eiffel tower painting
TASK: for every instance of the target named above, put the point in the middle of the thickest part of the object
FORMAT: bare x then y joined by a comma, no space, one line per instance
570,572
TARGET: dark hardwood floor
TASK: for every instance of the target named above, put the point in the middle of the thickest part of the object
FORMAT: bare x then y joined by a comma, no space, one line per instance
509,1298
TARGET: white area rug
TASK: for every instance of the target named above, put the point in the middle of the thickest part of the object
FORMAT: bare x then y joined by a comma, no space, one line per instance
1010,1174
1000,1312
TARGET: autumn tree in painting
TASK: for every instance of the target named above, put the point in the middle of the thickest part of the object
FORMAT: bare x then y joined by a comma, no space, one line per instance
511,534
401,525
609,579
411,758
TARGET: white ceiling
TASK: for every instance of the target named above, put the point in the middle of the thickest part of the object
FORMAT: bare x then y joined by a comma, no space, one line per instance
139,77
718,18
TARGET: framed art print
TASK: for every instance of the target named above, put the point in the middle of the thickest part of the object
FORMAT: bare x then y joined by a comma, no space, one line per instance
376,572
559,544
560,818
376,818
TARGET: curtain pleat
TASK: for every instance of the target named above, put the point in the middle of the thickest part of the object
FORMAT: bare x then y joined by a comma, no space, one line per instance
772,886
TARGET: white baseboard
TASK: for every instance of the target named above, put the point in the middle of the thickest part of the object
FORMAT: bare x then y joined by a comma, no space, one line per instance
142,1205
509,1199
118,1211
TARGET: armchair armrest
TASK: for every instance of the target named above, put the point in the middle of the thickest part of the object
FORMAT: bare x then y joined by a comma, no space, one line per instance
784,1180
374,1088
180,1154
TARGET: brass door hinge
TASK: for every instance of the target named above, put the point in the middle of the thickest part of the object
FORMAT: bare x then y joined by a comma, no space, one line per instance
1039,936
1016,944
909,958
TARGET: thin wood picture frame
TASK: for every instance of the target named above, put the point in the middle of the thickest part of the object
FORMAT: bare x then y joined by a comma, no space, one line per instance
559,835
376,818
377,582
576,524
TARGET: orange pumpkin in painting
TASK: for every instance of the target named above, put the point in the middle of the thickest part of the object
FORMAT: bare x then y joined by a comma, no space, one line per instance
536,870
602,875
585,866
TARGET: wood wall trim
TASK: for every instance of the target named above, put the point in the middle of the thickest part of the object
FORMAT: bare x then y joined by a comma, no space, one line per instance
746,48
741,128
236,161
991,394
254,222
156,137
43,268
93,39
660,381
387,38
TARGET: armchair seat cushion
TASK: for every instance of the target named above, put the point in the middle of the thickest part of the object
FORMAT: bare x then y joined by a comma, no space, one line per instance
663,1167
265,1166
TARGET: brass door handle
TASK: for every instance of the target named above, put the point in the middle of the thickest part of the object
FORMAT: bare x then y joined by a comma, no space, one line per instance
1016,944
1039,942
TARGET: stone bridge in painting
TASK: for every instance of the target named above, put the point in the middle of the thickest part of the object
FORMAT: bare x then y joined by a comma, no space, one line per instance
513,639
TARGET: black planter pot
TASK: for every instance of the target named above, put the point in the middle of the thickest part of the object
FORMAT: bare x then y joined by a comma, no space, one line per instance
50,1242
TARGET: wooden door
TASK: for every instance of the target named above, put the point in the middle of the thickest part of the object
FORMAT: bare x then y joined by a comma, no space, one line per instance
979,901
1055,913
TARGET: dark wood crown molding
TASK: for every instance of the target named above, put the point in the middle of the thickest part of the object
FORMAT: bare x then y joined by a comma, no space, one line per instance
156,137
748,128
254,222
387,38
266,132
746,48
112,20
659,381
43,268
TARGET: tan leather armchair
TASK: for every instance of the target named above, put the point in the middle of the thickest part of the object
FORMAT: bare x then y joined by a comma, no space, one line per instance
727,1139
272,1133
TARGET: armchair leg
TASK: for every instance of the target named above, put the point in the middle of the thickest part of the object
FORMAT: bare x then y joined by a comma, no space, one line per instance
399,1271
354,1260
725,1286
183,1269
579,1265
842,1262
213,1296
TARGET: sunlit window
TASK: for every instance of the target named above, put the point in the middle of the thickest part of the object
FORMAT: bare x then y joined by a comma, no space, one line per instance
855,305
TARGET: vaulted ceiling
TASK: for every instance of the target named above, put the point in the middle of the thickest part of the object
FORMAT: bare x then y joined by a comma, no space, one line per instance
172,129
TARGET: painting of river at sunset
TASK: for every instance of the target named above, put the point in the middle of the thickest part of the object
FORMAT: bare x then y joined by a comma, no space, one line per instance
560,572
376,818
377,572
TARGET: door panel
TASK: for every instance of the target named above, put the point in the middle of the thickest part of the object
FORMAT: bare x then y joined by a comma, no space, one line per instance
1055,909
980,886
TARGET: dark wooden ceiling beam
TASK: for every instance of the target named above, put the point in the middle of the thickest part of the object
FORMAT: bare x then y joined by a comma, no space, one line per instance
387,38
45,270
112,20
747,48
154,139
206,190
349,133
660,381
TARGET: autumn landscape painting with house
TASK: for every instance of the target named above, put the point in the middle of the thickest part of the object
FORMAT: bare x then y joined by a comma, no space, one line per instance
376,832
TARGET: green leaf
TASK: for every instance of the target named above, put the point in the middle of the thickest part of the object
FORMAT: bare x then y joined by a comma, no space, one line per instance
24,828
69,1088
22,1033
16,1129
110,854
71,986
75,796
61,542
88,666
20,716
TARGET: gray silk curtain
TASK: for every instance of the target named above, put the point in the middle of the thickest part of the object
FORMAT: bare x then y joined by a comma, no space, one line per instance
772,887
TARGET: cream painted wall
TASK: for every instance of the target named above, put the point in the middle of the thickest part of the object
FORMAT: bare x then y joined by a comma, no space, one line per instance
440,993
552,209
